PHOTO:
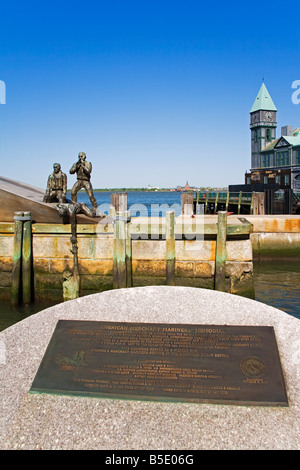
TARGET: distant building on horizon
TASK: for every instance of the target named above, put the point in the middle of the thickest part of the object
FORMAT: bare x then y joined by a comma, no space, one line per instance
273,160
187,187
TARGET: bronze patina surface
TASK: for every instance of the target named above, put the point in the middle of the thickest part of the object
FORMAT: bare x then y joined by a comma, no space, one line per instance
83,169
163,362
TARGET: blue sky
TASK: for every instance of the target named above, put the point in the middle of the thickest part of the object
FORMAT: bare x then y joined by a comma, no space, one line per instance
155,92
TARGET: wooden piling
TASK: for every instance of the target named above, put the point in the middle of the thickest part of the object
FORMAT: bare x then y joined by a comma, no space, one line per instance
227,201
170,248
197,203
119,255
269,201
258,203
27,260
206,204
216,203
221,252
119,201
128,250
187,202
240,202
288,202
16,290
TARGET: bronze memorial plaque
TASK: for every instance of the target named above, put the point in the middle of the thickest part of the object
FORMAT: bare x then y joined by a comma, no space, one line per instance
164,362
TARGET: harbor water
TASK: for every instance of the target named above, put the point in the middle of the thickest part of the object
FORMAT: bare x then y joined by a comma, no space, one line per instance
276,284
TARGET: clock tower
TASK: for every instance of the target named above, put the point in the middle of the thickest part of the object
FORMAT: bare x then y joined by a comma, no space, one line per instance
262,124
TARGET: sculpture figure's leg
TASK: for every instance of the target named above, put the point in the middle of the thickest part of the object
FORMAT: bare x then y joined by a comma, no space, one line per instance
77,186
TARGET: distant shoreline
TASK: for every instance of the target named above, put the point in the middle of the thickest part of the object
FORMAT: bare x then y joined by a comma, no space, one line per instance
127,190
146,190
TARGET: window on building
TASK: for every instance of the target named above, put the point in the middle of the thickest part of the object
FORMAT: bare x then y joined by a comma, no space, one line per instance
286,179
268,135
287,158
298,157
265,160
282,159
265,180
277,179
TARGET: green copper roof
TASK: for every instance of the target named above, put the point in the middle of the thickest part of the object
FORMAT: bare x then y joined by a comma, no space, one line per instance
263,101
271,145
293,140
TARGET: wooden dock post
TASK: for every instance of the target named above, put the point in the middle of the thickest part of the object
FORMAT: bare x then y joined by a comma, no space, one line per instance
27,259
187,202
227,201
288,202
269,201
170,247
119,255
128,250
258,201
197,203
221,252
216,203
206,204
240,202
16,290
119,201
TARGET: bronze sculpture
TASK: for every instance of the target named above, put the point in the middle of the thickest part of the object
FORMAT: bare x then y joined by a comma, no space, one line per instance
68,212
83,170
71,285
56,186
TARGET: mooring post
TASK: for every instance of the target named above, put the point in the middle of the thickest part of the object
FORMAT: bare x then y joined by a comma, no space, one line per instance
216,203
287,204
119,255
17,260
170,247
227,200
112,211
119,201
240,202
197,203
221,252
269,201
187,202
258,203
128,250
27,259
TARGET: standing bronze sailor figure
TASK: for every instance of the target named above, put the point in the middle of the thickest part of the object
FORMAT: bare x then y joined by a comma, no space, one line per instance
83,170
56,186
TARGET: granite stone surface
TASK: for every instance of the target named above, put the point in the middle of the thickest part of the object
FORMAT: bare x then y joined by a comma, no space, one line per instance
32,421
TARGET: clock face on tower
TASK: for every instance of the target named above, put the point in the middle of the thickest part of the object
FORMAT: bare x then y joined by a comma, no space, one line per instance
268,116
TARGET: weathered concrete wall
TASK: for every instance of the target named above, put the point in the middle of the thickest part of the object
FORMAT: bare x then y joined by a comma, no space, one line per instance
275,237
195,262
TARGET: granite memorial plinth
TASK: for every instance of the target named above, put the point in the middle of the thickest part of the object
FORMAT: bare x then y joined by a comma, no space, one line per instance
48,421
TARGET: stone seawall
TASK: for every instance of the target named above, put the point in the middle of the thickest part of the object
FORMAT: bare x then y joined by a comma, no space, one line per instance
194,265
275,237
